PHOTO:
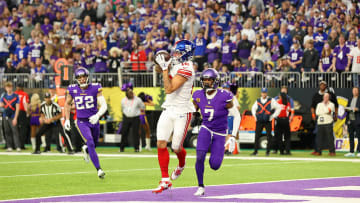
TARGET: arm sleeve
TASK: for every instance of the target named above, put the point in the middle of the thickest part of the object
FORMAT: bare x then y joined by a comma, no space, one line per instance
236,121
276,106
319,109
253,109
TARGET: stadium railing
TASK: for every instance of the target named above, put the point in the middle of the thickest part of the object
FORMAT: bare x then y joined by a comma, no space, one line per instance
247,79
349,79
279,79
129,72
313,79
152,79
15,78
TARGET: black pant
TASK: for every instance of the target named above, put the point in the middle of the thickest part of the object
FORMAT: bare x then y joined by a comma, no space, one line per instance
282,128
134,124
76,138
259,127
325,138
354,128
49,130
23,125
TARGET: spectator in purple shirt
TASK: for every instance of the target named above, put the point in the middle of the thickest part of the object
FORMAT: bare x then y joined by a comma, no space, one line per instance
162,42
295,55
213,50
340,53
326,59
101,57
244,49
88,59
228,49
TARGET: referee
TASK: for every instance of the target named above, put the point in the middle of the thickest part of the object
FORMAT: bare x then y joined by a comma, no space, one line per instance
131,107
50,115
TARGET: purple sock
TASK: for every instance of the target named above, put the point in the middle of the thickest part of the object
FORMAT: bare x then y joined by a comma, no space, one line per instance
93,155
199,166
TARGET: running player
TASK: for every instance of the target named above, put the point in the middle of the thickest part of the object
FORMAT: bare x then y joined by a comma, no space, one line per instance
214,105
87,98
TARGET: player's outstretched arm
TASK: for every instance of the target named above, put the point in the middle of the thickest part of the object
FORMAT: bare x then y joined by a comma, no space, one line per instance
102,103
173,84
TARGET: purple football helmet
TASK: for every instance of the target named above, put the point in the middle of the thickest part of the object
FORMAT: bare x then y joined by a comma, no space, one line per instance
82,72
125,86
210,74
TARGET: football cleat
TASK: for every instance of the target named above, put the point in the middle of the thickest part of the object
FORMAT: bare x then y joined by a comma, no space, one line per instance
163,185
200,191
177,172
85,153
101,173
349,155
358,155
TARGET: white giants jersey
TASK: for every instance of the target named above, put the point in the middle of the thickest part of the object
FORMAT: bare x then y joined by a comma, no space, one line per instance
179,101
355,54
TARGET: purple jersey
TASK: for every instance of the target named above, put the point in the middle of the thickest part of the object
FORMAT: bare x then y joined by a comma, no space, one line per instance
296,55
227,52
341,56
85,99
35,51
214,111
326,62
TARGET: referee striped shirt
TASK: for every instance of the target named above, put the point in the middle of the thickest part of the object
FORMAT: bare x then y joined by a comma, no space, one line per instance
51,110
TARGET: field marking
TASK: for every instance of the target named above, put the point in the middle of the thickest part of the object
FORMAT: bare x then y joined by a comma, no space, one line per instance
86,194
144,169
354,160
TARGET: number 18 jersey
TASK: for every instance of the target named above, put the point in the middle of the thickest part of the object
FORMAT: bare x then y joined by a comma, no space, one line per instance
214,111
85,99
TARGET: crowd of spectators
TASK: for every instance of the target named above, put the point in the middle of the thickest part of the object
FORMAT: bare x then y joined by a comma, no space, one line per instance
231,35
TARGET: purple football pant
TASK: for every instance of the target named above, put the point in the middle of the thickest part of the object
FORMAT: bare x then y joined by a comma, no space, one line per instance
90,133
216,144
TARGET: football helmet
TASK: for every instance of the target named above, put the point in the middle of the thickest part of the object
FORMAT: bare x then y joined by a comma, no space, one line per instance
184,51
82,72
210,74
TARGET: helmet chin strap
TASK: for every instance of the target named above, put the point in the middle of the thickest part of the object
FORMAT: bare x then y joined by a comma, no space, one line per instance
83,85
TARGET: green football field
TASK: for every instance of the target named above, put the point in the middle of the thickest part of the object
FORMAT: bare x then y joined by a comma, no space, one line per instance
31,176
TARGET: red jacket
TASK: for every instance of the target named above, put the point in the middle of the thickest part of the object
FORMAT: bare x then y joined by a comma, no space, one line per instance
138,60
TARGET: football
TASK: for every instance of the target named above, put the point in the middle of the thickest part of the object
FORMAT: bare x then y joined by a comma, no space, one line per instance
162,52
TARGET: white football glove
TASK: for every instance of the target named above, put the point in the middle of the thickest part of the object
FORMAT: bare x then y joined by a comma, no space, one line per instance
160,59
94,119
231,142
67,125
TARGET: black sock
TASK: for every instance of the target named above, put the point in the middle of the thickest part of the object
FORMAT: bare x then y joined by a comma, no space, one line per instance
201,185
98,169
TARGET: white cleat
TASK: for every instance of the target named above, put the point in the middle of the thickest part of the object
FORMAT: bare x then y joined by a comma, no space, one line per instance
148,148
200,191
349,155
163,185
101,174
85,154
358,155
177,172
18,149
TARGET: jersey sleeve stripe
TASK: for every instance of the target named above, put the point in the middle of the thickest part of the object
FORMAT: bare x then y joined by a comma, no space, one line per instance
184,75
183,72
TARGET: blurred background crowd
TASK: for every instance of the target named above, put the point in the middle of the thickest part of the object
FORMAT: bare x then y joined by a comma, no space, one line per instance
232,35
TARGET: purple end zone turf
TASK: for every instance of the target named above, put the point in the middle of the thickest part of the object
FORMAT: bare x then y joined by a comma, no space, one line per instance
288,188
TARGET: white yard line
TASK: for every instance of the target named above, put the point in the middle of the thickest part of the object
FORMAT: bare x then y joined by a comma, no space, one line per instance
289,158
141,169
86,194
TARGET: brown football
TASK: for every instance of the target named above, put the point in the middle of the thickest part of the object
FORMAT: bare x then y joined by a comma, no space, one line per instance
165,53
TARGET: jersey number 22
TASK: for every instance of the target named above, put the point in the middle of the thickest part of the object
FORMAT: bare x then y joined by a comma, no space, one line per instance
86,102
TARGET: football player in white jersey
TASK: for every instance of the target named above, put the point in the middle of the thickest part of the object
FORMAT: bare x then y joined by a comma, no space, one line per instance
178,76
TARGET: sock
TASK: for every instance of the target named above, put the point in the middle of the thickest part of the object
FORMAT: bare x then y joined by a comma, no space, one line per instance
147,141
43,141
93,155
201,185
163,157
33,143
181,156
199,166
